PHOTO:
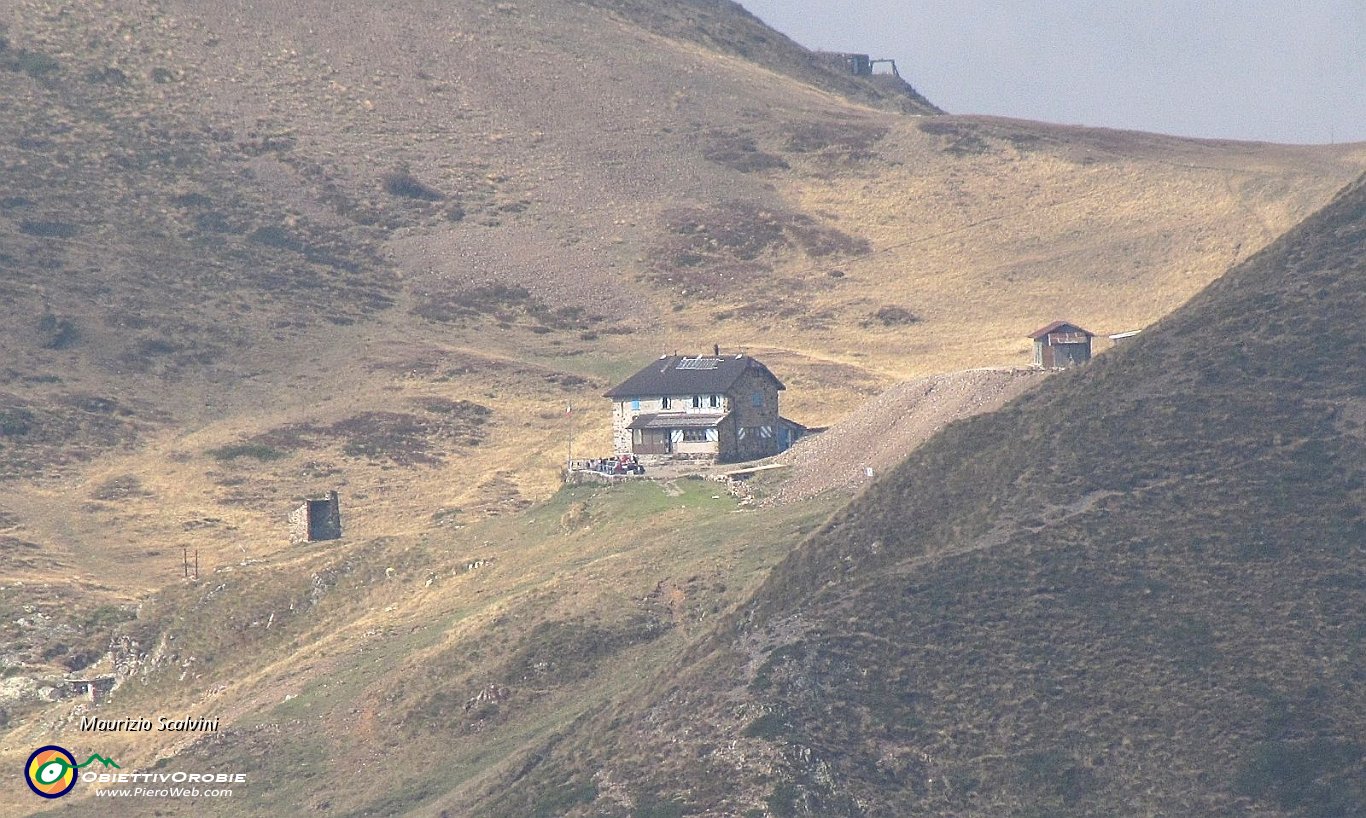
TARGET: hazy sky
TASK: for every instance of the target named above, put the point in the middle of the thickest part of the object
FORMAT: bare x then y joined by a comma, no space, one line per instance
1276,70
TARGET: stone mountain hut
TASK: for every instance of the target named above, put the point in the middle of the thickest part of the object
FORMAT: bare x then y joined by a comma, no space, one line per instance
719,407
1060,345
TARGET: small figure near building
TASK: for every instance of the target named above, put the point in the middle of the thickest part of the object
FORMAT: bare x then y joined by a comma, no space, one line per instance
1061,345
316,520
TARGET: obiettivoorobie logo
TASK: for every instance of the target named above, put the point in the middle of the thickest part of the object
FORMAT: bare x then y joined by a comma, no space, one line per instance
51,770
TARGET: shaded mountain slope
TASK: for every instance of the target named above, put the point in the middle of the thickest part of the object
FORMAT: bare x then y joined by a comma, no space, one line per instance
1138,589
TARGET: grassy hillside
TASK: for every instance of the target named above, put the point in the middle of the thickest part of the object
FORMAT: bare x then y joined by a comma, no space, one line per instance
399,673
1137,589
244,249
250,252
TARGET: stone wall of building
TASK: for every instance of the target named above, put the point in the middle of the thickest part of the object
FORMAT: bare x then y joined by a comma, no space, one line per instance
755,410
298,525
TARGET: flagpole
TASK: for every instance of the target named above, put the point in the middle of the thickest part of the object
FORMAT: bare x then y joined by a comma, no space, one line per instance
569,410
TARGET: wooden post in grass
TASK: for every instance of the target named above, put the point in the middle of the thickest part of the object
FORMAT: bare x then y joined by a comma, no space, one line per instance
569,463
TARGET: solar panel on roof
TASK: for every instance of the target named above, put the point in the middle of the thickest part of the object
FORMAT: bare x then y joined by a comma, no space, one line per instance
697,363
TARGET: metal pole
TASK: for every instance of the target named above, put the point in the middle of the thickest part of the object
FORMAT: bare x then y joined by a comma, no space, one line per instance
569,410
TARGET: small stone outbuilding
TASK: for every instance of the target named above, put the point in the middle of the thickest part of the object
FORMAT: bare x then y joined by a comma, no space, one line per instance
316,520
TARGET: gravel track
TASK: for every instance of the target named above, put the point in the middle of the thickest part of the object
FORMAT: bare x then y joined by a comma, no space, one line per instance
882,432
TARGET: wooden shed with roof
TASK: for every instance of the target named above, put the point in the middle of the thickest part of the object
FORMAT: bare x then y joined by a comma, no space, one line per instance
1061,344
717,407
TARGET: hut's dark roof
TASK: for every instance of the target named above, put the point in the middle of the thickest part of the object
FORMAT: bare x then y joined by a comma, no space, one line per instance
684,375
1059,326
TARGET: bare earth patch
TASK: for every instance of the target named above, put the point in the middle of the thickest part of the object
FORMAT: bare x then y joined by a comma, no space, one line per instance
880,433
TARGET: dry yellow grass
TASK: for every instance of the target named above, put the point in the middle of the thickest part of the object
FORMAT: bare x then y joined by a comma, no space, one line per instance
420,615
982,228
982,248
570,163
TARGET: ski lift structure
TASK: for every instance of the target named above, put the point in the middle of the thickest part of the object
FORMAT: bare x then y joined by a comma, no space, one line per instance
861,65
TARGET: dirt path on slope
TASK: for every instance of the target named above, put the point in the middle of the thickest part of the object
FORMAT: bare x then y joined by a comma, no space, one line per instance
882,432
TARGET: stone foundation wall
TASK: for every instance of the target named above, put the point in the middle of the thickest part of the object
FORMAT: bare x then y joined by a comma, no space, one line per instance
699,458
